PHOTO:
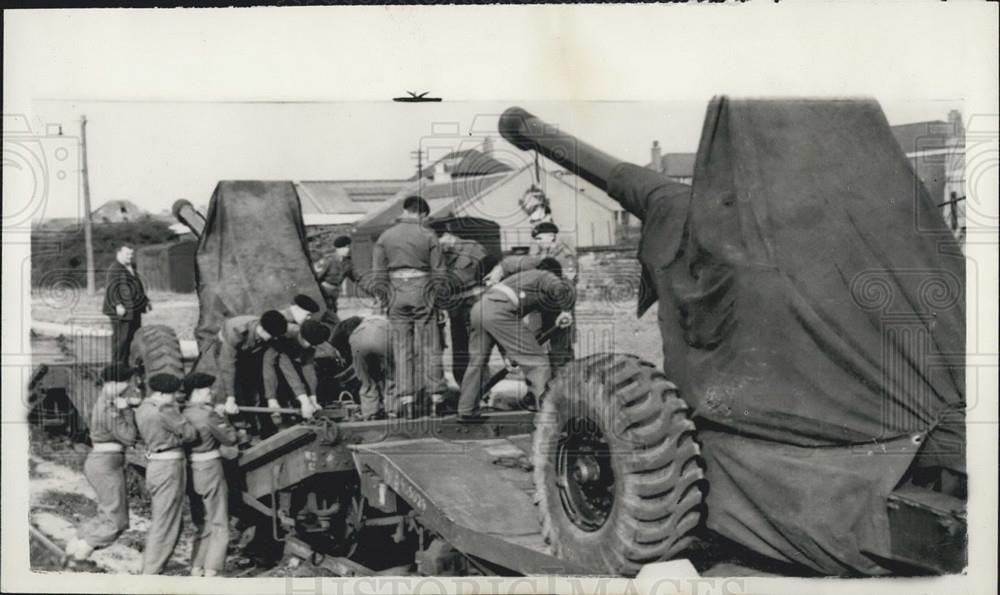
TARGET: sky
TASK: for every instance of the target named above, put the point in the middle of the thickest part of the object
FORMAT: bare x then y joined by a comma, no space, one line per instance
154,152
178,99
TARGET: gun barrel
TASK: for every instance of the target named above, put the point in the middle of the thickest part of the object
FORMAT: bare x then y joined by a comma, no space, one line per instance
527,132
185,212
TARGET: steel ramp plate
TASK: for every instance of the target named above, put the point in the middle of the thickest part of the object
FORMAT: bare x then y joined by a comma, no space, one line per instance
467,489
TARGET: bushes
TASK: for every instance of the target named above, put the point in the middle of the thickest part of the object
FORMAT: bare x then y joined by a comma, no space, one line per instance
59,257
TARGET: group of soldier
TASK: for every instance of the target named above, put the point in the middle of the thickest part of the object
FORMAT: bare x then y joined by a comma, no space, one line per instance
419,279
177,443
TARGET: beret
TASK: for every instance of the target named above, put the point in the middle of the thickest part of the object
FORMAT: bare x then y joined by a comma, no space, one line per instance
164,383
314,332
342,241
198,380
117,373
274,323
306,303
544,227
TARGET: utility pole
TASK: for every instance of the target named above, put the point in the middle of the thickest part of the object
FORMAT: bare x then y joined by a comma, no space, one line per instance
88,233
419,154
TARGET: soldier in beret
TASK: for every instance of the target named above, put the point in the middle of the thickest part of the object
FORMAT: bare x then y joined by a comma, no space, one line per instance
241,338
295,357
112,429
165,432
331,276
301,308
546,244
210,513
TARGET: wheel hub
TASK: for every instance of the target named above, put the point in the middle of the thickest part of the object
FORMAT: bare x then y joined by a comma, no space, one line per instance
584,474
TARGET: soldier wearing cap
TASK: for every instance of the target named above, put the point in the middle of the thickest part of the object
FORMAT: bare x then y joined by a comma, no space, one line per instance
407,259
240,340
467,263
112,429
165,432
497,320
294,357
331,276
210,512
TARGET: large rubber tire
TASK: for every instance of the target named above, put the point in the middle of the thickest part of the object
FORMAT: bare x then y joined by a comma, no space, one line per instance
655,497
156,350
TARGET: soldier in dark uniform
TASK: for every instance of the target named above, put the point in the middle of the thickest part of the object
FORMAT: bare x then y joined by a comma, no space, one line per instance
294,357
241,339
497,320
125,302
407,259
331,277
467,263
112,429
165,432
210,512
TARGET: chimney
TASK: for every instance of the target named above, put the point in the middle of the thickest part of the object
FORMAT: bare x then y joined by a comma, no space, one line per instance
488,146
656,157
955,120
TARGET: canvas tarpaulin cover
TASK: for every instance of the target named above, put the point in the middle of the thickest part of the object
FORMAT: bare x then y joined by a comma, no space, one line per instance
811,301
252,255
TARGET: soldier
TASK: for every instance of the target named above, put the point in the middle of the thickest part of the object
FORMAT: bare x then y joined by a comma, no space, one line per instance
125,302
466,262
409,256
331,277
210,513
240,339
371,356
165,432
496,320
298,311
294,357
112,428
547,244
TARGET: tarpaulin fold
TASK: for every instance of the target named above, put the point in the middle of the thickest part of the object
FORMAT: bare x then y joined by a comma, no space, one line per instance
809,297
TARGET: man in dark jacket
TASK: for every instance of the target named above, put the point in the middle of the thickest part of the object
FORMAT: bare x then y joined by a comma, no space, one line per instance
125,302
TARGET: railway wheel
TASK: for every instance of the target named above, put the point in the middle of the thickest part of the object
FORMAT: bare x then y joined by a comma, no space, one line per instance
618,474
156,350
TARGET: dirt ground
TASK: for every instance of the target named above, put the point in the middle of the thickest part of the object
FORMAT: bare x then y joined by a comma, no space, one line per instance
601,326
176,310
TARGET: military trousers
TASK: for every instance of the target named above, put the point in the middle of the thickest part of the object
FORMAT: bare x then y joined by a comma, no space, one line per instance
415,340
495,321
166,482
372,357
210,515
106,473
458,320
